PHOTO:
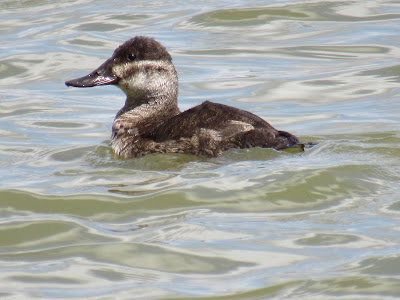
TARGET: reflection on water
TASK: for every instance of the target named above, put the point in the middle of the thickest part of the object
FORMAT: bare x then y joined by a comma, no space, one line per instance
78,222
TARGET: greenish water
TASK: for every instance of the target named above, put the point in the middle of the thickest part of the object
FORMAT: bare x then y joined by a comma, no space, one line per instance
77,222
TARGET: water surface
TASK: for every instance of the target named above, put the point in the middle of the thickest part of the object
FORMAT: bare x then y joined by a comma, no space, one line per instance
78,222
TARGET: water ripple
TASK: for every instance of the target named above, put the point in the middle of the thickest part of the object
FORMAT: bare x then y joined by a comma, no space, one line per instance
78,222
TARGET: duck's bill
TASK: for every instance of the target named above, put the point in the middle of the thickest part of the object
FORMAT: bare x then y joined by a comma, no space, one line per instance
92,79
103,75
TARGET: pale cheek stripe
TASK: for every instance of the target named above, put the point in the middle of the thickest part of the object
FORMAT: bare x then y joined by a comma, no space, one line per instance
128,69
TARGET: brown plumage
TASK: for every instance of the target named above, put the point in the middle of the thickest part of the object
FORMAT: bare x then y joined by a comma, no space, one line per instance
151,122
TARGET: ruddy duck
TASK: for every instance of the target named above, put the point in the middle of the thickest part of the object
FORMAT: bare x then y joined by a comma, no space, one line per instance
151,122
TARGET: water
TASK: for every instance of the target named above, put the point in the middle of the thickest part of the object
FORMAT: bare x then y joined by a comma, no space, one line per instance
77,222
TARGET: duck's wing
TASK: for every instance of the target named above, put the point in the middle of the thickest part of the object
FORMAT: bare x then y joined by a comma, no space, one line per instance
220,127
210,116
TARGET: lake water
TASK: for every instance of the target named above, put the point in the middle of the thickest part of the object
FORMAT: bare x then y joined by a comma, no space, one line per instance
77,222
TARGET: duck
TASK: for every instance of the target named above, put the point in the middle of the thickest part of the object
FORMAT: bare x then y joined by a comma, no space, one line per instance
151,121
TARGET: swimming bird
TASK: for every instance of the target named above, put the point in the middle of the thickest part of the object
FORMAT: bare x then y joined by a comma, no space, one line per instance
151,121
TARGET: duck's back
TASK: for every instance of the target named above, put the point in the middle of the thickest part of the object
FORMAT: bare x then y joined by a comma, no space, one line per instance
212,128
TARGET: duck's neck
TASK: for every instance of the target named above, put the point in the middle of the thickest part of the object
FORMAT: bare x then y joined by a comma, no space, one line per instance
160,107
139,117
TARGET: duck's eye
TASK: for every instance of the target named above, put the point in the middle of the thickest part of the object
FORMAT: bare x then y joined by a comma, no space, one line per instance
131,56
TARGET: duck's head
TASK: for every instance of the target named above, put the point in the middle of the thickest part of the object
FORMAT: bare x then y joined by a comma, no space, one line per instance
141,67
